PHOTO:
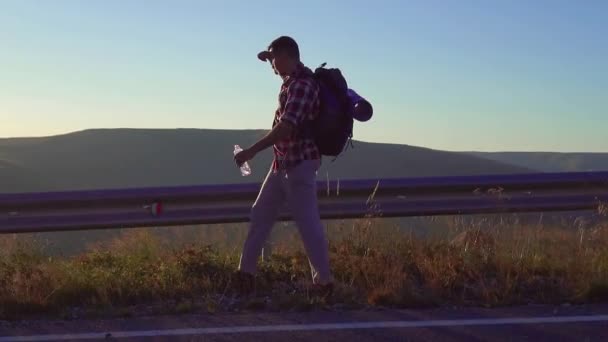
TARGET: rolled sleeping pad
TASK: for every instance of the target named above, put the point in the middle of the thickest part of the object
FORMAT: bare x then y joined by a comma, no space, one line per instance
362,109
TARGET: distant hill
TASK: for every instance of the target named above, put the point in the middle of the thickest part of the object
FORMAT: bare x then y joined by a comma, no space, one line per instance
121,158
550,161
15,178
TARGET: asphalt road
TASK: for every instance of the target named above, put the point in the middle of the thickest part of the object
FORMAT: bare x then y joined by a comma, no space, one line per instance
530,323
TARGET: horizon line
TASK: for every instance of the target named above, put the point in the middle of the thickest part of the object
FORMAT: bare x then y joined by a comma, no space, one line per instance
266,129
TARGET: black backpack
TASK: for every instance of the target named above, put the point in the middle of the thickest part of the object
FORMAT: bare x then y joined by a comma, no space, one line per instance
332,129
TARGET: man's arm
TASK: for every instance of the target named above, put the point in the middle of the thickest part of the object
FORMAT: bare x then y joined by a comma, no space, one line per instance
280,131
299,98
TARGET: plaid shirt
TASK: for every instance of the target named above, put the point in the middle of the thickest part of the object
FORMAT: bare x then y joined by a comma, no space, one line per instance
298,101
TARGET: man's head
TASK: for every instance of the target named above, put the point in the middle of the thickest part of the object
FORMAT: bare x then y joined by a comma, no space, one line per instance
283,54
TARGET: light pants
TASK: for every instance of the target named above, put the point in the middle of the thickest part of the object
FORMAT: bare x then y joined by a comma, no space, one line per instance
297,188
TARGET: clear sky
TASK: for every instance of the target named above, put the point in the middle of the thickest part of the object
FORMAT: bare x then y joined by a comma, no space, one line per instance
453,75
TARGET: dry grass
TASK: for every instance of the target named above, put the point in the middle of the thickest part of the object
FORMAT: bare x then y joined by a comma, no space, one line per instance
478,262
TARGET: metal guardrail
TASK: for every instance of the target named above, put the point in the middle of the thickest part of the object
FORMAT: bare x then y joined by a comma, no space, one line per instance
184,205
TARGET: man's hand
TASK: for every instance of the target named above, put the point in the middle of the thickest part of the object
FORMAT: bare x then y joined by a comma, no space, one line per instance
281,131
243,156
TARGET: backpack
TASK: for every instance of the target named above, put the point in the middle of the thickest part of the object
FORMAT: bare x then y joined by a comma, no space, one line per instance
332,129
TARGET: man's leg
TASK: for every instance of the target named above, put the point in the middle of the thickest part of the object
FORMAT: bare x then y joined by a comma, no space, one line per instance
263,216
302,199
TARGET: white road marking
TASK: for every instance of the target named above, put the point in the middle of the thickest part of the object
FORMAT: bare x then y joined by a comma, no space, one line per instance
311,327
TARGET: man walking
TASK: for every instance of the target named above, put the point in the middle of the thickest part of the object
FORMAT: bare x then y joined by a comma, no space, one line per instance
292,175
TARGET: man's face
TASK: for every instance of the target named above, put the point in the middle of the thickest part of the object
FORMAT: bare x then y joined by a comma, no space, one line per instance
280,63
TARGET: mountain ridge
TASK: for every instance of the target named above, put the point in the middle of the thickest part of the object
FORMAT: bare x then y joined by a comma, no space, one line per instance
127,157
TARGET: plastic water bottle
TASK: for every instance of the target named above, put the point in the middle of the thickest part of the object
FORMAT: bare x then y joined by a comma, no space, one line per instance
245,169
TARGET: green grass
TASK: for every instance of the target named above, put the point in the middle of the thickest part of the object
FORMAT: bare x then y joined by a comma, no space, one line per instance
481,263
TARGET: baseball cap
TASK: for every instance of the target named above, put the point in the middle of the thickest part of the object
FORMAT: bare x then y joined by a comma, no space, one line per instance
280,43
